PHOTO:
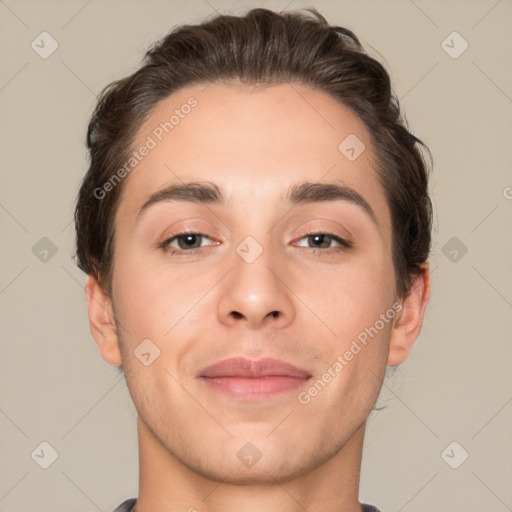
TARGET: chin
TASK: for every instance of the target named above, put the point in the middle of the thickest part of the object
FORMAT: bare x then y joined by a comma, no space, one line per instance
260,474
250,466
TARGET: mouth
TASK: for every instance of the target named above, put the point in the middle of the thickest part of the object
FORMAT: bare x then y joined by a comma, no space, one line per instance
243,378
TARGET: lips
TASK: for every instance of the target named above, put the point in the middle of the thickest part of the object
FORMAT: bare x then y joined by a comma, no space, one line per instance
246,378
253,369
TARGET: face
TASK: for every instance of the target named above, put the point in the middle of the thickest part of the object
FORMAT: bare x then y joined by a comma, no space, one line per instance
268,304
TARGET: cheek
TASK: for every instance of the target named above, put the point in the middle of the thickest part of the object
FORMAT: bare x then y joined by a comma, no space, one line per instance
166,306
147,297
350,297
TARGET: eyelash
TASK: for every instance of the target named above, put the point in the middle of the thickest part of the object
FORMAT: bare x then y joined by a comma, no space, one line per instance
343,244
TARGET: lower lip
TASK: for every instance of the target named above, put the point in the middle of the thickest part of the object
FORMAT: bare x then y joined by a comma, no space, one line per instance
255,388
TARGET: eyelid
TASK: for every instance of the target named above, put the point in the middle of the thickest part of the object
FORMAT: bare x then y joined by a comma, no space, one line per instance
342,241
206,231
324,232
340,232
326,225
173,236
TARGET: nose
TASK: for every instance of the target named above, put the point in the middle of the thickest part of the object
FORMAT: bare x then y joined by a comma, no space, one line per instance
256,294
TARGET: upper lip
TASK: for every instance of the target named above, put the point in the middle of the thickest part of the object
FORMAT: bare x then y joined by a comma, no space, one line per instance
250,368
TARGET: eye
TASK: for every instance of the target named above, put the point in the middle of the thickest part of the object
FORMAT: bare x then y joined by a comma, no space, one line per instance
186,242
324,241
189,243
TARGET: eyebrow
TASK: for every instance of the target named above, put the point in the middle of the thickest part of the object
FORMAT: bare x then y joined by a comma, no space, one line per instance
206,192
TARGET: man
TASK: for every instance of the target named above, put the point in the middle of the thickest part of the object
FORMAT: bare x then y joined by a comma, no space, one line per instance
255,226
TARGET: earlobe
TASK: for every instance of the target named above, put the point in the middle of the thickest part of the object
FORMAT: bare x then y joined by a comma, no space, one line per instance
408,322
101,321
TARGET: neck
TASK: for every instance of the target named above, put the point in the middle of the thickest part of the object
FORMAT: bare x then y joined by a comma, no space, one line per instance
167,485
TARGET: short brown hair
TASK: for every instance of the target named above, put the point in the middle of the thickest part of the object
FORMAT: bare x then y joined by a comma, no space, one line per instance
262,47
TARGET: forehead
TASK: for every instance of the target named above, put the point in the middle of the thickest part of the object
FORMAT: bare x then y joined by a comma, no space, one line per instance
253,142
242,119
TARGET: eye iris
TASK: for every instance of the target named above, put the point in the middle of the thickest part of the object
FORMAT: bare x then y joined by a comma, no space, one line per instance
188,238
323,239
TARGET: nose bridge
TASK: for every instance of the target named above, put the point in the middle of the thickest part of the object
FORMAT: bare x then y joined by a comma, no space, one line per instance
255,293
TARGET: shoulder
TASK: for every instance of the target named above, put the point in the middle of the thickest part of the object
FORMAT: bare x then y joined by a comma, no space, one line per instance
126,505
368,508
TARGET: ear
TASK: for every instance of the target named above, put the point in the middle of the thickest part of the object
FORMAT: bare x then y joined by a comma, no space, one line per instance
408,321
101,321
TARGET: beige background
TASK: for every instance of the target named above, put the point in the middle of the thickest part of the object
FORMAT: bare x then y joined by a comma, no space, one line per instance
457,384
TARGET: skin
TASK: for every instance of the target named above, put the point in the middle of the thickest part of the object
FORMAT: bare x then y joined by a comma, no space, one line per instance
211,305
